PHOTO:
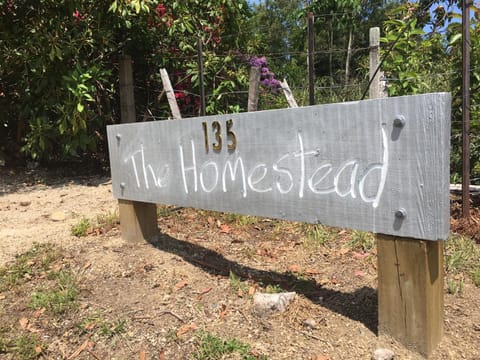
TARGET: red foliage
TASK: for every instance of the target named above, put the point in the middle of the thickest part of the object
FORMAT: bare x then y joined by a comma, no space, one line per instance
161,10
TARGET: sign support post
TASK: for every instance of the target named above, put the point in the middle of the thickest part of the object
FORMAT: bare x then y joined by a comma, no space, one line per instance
410,272
410,291
138,220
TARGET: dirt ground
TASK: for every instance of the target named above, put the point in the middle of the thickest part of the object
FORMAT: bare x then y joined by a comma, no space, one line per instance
198,276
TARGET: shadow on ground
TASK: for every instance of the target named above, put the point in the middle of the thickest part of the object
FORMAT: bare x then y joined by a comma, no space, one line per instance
360,305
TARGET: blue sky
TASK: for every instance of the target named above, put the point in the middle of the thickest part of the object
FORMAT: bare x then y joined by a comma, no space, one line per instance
444,4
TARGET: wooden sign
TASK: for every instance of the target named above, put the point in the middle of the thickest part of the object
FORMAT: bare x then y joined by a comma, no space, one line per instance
375,165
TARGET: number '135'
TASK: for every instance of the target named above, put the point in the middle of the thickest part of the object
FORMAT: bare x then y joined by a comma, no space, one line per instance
216,128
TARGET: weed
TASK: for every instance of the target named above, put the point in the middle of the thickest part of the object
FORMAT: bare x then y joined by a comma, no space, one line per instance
107,221
81,229
171,335
361,241
3,340
35,261
111,329
26,348
103,223
462,255
60,299
455,287
164,211
476,276
97,324
210,347
272,289
240,220
317,235
237,284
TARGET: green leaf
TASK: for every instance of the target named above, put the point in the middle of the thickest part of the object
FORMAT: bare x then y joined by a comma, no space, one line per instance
80,107
51,55
454,39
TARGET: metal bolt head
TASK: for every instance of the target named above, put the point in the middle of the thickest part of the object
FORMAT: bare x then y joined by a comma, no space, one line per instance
122,185
399,121
401,213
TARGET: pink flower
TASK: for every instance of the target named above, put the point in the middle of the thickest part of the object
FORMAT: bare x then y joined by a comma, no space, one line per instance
78,16
161,10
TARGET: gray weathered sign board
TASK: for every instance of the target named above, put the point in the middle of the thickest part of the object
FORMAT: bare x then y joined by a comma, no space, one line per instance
376,165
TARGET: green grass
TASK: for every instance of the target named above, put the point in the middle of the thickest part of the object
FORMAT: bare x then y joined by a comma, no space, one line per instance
3,340
237,284
103,223
26,266
455,287
240,220
108,220
210,347
26,347
98,325
317,235
361,241
164,211
81,228
273,289
476,276
462,256
60,298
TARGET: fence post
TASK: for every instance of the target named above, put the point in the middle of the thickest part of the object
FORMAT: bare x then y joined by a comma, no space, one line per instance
311,67
253,89
410,271
138,220
377,85
200,76
167,86
466,108
288,94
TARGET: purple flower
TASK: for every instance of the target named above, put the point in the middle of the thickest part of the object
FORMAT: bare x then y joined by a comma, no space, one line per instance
267,77
275,83
258,62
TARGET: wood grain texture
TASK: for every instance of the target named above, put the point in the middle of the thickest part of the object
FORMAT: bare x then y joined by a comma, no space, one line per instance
343,165
410,291
137,219
168,88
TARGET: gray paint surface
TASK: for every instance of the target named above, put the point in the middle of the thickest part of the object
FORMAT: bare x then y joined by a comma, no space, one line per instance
346,165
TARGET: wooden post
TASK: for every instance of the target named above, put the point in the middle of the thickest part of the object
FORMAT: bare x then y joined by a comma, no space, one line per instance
410,271
138,220
172,101
410,291
253,89
377,86
288,94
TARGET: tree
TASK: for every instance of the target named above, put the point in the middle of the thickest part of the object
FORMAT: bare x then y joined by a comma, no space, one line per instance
421,61
58,60
277,32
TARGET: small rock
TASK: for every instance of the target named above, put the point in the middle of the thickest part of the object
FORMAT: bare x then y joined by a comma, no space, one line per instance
310,323
383,354
266,304
58,216
25,203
